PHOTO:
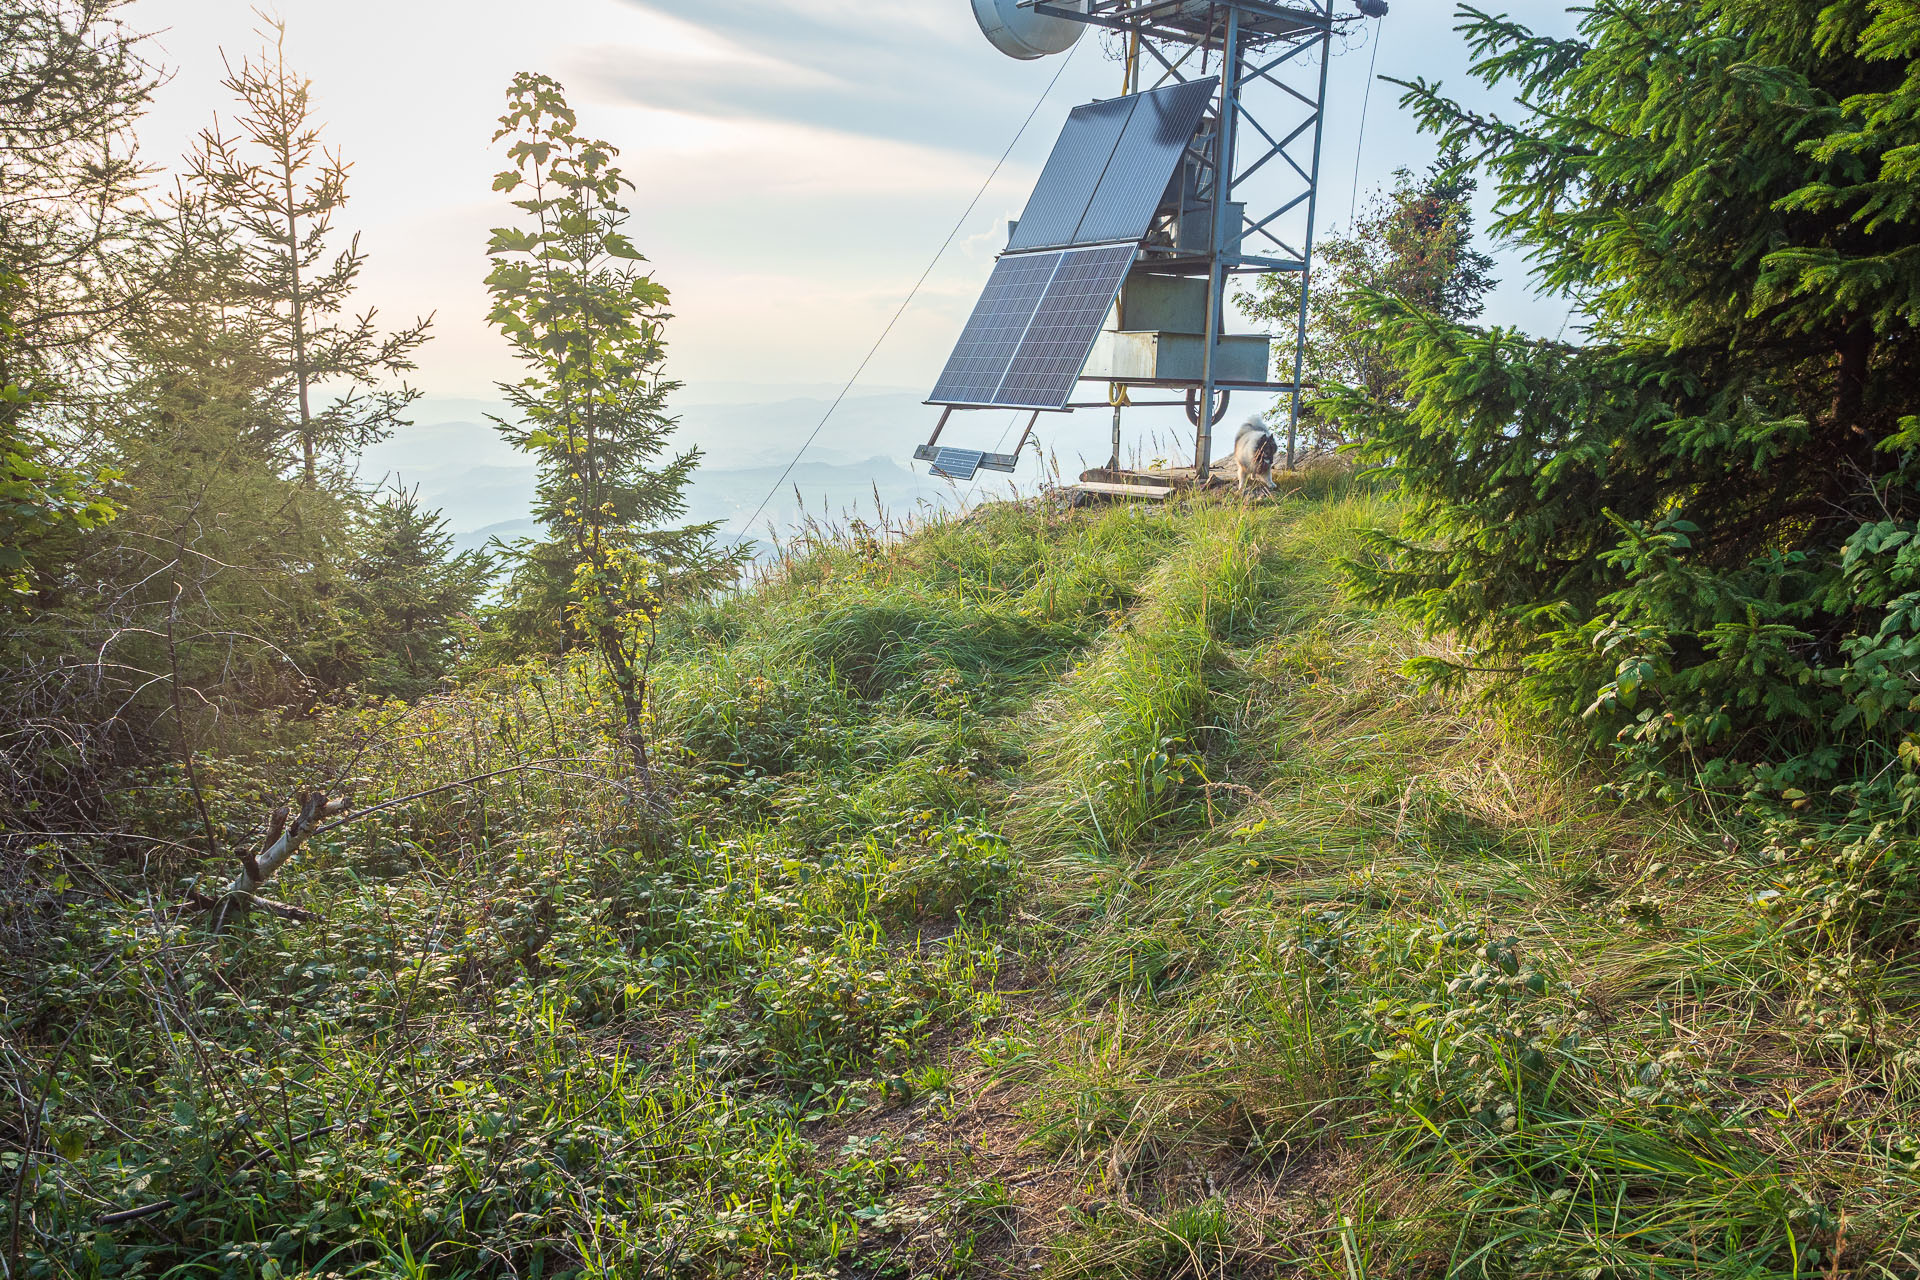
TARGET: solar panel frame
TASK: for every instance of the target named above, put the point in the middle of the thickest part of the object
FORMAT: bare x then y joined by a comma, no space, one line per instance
1110,168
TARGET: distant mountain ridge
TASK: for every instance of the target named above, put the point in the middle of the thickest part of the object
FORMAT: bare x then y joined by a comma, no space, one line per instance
484,487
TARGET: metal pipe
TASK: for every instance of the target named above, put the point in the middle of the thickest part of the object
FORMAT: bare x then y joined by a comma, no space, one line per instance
1306,255
940,426
1230,59
1027,434
1131,404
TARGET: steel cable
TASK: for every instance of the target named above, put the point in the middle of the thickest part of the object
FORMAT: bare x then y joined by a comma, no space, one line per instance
914,292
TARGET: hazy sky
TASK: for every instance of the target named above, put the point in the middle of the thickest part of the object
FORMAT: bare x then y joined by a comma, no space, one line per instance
797,161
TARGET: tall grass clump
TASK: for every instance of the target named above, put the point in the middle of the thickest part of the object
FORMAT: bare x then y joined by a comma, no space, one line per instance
1120,750
747,709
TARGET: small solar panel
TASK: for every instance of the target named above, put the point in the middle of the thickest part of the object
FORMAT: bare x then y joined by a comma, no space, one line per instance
1033,328
956,464
1111,167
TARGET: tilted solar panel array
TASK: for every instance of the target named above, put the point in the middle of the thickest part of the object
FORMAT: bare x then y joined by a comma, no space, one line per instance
1111,168
1031,332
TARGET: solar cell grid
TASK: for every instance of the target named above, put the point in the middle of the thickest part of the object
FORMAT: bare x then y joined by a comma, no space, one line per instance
957,464
993,332
1111,166
1072,174
1030,335
1144,162
1048,363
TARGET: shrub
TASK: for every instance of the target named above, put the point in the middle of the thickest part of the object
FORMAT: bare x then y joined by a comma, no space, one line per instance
849,1008
957,868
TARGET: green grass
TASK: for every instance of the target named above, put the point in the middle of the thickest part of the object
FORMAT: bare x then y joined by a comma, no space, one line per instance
1071,893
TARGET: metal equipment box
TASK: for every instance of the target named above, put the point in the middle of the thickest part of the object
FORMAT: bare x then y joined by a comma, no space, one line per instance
1195,231
1168,304
1153,356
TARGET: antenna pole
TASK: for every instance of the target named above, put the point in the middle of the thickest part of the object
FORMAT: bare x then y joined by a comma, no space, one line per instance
1223,161
1223,208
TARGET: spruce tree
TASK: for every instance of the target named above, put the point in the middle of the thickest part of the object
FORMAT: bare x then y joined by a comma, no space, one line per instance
46,500
275,183
73,80
216,532
1697,527
407,590
589,324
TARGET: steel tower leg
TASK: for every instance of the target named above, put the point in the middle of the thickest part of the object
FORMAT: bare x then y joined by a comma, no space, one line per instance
1306,260
1223,161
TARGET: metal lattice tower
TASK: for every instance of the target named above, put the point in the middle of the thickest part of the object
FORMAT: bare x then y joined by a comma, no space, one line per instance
1264,68
1273,61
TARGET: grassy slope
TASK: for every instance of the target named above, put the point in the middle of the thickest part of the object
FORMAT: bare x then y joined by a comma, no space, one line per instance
1065,893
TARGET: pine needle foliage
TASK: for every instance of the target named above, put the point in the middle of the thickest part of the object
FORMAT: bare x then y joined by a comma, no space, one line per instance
74,78
280,189
409,596
1696,528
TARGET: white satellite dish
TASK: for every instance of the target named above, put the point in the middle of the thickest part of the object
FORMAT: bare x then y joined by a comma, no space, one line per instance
1019,32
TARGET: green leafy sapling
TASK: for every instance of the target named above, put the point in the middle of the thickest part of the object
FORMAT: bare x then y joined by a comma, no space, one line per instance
588,323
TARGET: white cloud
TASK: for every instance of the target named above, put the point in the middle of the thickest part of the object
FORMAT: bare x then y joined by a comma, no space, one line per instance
788,226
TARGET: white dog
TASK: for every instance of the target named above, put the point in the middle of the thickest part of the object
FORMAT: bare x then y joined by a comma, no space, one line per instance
1254,450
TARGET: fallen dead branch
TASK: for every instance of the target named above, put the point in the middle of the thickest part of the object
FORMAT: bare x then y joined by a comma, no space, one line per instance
284,840
318,813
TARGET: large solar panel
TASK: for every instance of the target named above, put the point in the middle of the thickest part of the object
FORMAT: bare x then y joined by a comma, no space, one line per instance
1033,328
1144,163
993,333
1111,168
1055,349
1072,175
